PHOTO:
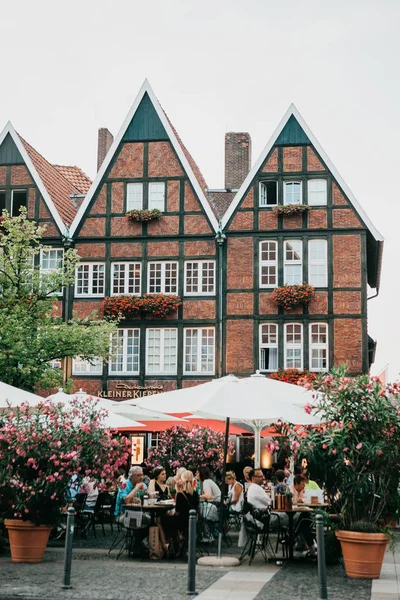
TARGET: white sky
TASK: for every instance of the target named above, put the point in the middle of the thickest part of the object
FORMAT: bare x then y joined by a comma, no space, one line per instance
216,66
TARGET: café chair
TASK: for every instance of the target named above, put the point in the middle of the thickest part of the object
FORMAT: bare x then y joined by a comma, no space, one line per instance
257,525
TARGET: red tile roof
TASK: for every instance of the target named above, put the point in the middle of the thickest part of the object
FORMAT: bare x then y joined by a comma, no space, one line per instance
58,187
76,176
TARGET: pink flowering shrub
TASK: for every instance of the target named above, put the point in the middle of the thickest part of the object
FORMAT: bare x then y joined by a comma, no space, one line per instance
356,452
42,447
196,447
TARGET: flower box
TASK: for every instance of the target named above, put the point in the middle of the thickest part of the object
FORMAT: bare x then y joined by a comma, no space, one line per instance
144,215
129,307
289,210
290,296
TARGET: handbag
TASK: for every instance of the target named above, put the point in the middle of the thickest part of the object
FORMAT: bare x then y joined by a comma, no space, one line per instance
155,547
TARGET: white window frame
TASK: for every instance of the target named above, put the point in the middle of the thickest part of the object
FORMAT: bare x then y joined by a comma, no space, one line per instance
199,351
285,193
137,282
163,277
50,270
156,188
319,346
313,195
267,264
268,345
293,346
203,272
90,293
263,194
162,370
134,196
114,356
12,200
318,262
293,262
83,367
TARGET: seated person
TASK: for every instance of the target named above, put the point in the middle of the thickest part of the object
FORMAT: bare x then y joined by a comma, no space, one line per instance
209,489
310,485
178,480
158,484
298,488
90,487
256,496
280,486
246,479
186,500
171,485
128,493
235,492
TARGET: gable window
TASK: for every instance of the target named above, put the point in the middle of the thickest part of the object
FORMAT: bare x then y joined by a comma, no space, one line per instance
126,278
317,192
19,198
161,351
294,346
292,192
269,347
318,263
51,260
163,277
89,279
268,193
200,278
86,367
268,264
318,347
2,200
134,196
157,196
199,350
125,352
293,262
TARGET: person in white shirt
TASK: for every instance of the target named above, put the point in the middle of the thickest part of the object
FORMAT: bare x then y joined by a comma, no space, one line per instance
256,496
209,489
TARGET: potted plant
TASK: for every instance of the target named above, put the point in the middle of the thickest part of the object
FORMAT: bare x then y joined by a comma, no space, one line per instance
289,296
128,307
290,210
144,215
356,454
40,449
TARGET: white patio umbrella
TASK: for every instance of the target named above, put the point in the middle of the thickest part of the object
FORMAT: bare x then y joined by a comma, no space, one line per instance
11,396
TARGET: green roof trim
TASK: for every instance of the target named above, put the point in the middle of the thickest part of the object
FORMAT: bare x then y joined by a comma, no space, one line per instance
292,133
146,124
9,153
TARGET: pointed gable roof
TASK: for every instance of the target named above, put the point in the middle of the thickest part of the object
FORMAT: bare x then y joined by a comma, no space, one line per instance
54,188
147,120
76,176
294,130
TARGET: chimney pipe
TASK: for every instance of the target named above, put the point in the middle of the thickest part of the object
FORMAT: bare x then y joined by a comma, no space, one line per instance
237,158
105,139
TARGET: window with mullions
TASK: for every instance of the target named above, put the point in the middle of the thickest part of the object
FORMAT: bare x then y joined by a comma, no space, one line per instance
86,367
199,346
294,346
293,267
317,192
154,439
157,195
200,278
268,193
318,263
51,260
89,279
292,192
163,277
134,196
269,347
125,352
268,264
161,351
126,278
318,347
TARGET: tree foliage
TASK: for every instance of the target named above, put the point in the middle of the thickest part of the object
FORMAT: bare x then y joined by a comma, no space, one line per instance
31,335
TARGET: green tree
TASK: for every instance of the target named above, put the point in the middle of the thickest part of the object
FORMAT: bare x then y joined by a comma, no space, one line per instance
30,334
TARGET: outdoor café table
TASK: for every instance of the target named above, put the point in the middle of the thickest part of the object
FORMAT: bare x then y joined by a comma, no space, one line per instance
154,510
303,508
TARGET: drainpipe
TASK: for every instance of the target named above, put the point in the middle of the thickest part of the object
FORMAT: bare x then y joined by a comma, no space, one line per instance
220,239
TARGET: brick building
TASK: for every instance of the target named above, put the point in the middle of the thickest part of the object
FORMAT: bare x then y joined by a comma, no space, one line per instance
221,251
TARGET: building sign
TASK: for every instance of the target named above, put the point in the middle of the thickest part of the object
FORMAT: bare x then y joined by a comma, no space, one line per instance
126,391
137,449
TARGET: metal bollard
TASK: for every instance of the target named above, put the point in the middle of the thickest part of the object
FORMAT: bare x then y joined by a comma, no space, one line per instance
68,549
191,591
323,589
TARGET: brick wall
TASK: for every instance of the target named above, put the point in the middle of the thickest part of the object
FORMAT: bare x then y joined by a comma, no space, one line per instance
104,141
240,263
129,162
313,162
348,343
163,161
347,260
271,166
99,205
237,159
239,346
292,158
240,304
20,175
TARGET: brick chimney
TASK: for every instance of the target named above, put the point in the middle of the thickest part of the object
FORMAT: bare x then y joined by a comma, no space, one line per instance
105,140
237,158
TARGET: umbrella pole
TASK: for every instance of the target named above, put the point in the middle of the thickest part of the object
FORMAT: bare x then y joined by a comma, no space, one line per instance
221,508
257,445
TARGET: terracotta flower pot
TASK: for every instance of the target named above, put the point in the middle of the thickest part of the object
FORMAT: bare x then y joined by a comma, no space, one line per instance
363,553
27,541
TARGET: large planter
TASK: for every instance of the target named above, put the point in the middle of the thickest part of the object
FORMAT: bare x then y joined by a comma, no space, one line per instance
27,541
363,553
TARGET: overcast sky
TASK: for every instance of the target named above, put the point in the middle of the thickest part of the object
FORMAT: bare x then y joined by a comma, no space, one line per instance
216,66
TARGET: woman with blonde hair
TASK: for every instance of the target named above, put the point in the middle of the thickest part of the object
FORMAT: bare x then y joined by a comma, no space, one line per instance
235,492
178,478
186,500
